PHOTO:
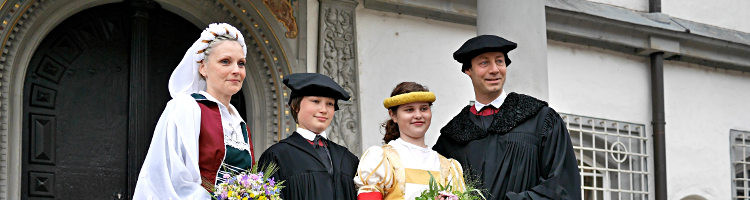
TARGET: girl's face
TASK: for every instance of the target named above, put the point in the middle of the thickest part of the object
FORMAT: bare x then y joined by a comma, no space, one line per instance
316,113
413,119
224,69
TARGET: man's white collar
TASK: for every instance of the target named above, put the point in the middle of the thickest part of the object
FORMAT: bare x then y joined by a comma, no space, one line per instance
496,103
309,135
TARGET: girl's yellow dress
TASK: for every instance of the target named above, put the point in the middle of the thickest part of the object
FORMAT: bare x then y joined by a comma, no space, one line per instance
401,170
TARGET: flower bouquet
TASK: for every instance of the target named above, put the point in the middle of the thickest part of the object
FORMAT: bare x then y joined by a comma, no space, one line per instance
436,191
249,185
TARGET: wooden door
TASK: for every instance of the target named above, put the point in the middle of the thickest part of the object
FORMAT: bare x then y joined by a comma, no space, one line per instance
78,140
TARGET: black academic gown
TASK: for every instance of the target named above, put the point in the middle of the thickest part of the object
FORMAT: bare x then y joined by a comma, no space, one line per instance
305,175
525,153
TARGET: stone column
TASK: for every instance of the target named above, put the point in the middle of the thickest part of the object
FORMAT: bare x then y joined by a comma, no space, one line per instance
337,58
522,22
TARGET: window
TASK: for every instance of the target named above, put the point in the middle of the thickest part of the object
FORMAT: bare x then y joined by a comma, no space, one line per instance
612,156
740,163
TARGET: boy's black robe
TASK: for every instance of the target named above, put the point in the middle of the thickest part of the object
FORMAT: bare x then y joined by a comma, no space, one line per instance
525,153
305,175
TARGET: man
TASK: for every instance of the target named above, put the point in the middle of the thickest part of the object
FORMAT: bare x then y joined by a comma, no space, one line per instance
514,144
311,166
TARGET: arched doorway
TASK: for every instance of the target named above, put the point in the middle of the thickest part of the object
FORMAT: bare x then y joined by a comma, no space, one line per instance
78,136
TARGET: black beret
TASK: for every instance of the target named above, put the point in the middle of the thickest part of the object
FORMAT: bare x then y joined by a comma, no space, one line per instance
482,44
314,84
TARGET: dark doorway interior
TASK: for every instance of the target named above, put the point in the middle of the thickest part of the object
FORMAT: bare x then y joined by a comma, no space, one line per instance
78,140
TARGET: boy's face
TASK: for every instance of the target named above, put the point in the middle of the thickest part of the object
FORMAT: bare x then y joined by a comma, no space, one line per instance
315,113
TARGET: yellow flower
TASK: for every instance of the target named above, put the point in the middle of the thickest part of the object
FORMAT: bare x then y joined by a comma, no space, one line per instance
262,198
244,198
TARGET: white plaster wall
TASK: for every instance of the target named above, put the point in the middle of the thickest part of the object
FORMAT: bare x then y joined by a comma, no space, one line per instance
639,5
731,14
702,105
597,83
393,48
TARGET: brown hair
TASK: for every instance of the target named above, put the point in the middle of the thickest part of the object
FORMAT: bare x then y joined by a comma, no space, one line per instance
294,105
391,128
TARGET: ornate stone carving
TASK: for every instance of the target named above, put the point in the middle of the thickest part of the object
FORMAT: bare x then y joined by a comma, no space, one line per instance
337,58
283,11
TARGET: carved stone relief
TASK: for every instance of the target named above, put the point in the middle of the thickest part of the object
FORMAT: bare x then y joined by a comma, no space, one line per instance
283,11
337,59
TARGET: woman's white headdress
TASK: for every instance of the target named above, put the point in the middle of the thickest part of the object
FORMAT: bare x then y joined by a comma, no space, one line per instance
185,78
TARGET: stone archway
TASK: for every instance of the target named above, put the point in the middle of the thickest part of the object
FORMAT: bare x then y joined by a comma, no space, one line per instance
81,108
26,23
268,59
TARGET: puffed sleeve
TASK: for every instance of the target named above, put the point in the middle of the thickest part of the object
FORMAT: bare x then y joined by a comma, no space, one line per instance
375,174
170,170
456,176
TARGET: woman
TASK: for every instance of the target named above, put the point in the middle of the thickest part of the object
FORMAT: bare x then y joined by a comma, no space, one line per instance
200,136
382,174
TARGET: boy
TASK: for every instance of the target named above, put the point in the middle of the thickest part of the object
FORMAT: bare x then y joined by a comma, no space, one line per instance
312,166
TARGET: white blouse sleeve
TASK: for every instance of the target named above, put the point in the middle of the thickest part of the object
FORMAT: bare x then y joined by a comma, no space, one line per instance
374,173
170,170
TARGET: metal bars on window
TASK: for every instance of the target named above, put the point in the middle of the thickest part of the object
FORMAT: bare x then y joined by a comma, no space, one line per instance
740,163
612,156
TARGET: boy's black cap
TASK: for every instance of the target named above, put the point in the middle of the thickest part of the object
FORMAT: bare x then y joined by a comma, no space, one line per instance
482,44
314,84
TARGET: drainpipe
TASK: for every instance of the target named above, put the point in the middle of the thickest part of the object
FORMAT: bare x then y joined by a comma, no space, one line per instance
657,105
659,122
654,6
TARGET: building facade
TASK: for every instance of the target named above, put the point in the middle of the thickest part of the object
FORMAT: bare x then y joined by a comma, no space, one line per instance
655,93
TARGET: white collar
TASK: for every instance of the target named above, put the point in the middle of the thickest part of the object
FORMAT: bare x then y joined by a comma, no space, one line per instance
497,102
309,135
233,112
409,145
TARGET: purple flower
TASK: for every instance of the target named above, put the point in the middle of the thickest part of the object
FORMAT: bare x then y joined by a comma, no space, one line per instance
271,181
245,183
254,177
223,195
445,195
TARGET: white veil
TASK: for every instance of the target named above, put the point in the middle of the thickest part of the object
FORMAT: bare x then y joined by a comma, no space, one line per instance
185,78
170,170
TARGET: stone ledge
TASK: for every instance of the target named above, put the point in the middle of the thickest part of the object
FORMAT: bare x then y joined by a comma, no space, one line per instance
609,27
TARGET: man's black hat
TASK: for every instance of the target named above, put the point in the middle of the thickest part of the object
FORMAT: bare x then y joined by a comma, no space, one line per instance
314,84
482,44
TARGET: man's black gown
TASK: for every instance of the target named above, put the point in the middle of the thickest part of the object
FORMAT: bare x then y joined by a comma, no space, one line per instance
305,175
525,153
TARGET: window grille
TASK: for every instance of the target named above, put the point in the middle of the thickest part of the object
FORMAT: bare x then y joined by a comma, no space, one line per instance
612,157
740,152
